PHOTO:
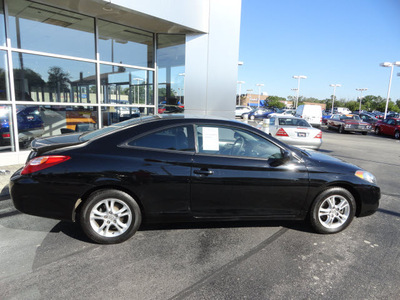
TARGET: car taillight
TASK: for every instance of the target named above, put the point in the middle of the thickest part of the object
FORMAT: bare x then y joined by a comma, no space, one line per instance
281,132
318,136
43,162
6,135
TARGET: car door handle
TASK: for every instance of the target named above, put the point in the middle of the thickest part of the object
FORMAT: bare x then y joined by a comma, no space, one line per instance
203,172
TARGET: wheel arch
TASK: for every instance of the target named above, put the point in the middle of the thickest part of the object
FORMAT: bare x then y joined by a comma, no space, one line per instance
79,203
346,186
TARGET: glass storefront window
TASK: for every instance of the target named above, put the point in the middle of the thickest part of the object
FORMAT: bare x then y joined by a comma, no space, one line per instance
47,79
171,69
2,28
4,86
125,45
6,129
126,86
47,120
115,114
43,28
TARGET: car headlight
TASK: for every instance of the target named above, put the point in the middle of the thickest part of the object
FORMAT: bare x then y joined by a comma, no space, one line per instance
366,176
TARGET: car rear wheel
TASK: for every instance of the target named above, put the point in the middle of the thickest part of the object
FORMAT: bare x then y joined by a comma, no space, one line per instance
377,131
110,216
341,129
397,135
333,210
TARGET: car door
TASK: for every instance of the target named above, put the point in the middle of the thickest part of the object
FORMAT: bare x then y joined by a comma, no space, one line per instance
234,174
162,168
389,127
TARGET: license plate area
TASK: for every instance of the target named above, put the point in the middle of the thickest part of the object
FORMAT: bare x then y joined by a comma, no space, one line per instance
301,134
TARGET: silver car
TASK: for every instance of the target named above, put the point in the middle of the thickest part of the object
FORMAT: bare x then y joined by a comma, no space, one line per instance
293,131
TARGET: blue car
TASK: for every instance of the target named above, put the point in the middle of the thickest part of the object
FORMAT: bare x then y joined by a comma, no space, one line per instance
260,113
30,124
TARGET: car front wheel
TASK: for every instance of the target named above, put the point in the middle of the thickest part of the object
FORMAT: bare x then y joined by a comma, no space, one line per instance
377,131
110,216
397,135
333,210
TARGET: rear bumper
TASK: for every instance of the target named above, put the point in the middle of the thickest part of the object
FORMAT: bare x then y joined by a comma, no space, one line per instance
32,197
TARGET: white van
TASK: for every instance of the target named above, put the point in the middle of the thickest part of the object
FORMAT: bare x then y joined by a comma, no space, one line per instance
310,113
341,110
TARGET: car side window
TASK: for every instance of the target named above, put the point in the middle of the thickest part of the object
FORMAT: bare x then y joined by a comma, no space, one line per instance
175,138
230,141
391,122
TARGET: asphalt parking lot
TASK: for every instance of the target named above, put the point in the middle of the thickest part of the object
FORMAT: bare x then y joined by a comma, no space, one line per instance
49,259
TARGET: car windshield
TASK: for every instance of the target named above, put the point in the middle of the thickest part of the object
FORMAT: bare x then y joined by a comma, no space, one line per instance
99,132
349,117
293,122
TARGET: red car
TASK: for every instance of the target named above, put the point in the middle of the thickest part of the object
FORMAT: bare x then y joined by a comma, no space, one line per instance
348,123
389,127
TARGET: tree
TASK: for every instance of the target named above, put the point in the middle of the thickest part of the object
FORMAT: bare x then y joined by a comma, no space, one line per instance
58,78
275,101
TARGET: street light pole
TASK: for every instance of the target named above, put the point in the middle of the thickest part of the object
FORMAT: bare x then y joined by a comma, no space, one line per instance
334,91
259,92
391,65
294,101
298,77
240,90
361,90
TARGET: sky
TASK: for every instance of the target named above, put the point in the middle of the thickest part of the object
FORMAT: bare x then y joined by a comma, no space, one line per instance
330,42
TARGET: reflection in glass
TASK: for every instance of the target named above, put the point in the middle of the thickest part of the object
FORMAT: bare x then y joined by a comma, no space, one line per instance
6,129
46,79
126,45
126,86
115,114
48,120
171,68
4,86
43,28
2,28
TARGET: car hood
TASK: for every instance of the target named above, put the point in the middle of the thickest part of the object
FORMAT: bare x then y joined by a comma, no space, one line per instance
318,159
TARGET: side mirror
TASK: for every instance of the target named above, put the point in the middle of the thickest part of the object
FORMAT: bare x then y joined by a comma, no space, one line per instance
286,156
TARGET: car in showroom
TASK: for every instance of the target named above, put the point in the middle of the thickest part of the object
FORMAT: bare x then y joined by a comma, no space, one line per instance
29,121
348,123
171,168
388,127
293,131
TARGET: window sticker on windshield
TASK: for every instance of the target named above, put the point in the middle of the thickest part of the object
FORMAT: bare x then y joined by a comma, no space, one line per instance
210,139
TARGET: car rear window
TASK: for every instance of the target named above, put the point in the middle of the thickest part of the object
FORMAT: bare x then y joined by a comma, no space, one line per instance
293,122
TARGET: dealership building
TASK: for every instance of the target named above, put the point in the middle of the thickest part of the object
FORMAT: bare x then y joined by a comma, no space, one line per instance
77,65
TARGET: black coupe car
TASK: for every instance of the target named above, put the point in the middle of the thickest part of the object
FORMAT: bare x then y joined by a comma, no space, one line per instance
182,168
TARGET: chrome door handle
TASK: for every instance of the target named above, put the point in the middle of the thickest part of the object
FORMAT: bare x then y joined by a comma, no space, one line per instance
203,172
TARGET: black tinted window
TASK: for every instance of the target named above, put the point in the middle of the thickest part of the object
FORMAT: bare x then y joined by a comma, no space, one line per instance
176,138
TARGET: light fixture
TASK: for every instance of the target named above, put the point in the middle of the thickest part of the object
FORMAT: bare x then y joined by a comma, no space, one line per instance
298,77
334,91
389,65
361,90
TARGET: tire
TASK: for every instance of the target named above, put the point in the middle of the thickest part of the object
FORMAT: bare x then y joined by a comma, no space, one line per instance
341,129
377,131
110,216
397,135
332,211
364,133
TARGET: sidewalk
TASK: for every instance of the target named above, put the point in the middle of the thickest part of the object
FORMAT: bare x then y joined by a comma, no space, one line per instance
5,174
